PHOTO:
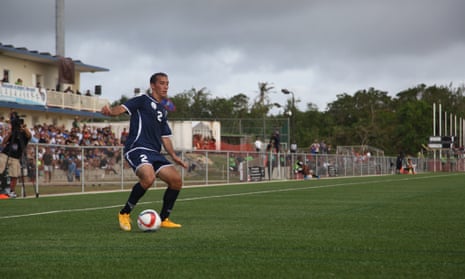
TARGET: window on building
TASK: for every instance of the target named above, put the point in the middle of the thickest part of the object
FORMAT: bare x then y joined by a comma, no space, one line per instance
6,76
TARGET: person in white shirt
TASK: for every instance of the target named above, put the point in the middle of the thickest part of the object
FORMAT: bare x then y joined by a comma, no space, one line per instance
258,144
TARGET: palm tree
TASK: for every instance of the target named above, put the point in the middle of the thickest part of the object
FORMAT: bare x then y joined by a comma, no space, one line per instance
262,103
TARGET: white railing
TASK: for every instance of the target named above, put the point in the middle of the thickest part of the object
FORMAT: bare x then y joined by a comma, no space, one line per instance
35,96
74,101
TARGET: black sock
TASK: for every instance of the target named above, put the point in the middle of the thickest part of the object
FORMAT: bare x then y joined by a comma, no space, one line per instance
137,192
169,198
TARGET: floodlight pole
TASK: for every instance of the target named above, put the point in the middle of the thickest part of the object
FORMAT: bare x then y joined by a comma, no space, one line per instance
291,138
60,27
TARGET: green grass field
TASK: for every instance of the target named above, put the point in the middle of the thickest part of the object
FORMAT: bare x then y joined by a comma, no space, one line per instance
367,227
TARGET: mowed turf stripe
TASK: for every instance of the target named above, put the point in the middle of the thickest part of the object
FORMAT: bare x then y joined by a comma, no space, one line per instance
300,188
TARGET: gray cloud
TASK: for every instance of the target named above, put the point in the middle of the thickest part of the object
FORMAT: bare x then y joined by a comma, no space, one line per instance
318,49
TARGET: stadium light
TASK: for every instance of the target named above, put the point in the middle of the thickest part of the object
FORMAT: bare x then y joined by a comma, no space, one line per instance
291,115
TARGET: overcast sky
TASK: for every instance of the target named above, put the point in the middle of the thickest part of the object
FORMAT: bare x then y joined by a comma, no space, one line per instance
315,48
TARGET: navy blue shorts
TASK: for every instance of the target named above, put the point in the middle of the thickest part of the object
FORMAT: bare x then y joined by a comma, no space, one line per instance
139,156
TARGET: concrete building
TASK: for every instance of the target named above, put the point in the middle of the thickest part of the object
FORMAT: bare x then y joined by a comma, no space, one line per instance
45,88
38,87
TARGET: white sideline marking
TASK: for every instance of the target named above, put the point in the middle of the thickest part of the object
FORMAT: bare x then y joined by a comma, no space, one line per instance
216,196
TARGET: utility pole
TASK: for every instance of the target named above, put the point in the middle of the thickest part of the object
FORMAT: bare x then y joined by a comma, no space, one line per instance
60,28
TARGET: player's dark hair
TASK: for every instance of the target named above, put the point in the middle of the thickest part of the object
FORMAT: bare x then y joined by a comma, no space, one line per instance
153,78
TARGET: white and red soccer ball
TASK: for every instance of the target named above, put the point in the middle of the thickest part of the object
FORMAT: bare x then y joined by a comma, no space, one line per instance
148,220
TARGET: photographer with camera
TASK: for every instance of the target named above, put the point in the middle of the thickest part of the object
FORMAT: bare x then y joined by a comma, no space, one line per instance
14,145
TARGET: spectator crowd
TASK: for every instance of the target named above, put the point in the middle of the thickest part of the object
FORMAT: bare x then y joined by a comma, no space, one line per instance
55,150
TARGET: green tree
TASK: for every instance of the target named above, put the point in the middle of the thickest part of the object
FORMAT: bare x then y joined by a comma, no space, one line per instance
191,104
182,102
122,100
414,119
221,108
361,119
262,104
307,126
199,105
367,117
240,105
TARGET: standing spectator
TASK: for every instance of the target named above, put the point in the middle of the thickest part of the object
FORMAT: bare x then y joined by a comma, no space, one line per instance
232,162
399,163
71,168
47,162
315,147
258,144
240,160
31,170
14,145
270,159
323,149
293,147
124,136
76,123
276,139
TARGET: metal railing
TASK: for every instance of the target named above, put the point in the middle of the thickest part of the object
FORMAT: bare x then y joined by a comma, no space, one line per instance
78,169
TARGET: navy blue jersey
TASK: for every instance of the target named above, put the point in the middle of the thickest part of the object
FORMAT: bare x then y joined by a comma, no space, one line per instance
148,123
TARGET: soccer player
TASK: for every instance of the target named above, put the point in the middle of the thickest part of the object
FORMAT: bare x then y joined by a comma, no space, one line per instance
148,131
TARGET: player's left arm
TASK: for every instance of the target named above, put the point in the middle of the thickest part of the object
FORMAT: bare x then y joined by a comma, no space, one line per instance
168,144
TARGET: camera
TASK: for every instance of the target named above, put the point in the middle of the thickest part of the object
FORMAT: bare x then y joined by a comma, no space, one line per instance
16,121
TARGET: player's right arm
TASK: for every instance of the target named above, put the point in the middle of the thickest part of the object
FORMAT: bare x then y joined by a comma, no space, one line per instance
113,111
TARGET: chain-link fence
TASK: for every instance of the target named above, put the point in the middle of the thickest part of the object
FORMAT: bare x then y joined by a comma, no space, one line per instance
236,131
77,169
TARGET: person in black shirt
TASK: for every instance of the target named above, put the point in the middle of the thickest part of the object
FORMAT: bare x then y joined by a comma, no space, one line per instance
14,146
399,162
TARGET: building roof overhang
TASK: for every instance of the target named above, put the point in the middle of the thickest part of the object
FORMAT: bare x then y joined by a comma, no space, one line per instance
81,113
45,58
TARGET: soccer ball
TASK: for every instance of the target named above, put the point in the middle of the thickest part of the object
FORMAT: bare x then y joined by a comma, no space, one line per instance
148,220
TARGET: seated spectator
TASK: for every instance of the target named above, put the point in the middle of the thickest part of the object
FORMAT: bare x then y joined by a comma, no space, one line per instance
303,171
410,167
308,173
69,90
5,78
